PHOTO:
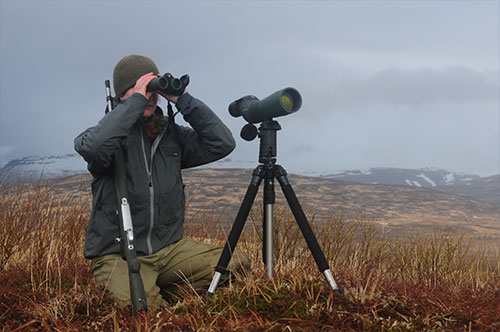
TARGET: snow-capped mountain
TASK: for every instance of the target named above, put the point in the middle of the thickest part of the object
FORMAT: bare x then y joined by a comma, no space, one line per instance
423,177
33,168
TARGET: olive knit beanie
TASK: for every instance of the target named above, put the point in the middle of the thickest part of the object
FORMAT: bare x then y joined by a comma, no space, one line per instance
129,69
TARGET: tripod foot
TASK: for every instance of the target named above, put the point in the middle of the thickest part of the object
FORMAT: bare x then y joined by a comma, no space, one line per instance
331,282
213,284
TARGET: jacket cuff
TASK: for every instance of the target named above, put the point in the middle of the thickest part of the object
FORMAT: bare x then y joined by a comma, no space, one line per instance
183,103
135,103
138,97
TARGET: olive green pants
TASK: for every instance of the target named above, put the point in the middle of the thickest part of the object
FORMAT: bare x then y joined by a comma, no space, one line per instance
184,262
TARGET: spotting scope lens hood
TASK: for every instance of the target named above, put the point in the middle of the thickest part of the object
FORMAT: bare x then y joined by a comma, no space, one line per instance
282,102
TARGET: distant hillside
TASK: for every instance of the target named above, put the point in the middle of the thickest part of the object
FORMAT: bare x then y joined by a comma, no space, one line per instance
333,196
424,177
46,167
454,201
485,189
32,168
401,209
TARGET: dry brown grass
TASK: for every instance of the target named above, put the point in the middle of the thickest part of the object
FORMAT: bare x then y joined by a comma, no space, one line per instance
420,283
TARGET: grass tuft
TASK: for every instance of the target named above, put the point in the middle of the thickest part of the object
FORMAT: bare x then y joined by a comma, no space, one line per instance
437,283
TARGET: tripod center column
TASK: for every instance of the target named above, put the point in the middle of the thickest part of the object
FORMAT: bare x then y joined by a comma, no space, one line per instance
267,156
269,199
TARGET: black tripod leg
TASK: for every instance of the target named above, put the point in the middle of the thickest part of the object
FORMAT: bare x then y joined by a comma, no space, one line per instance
304,226
239,223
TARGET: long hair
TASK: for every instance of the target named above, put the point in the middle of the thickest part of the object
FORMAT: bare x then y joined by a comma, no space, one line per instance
156,123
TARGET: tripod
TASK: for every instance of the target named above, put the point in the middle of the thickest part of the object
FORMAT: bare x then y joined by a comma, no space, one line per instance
267,171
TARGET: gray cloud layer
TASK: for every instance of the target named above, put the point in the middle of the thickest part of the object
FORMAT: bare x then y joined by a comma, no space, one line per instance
420,86
384,83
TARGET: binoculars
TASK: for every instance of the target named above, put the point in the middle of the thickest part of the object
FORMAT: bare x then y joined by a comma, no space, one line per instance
169,85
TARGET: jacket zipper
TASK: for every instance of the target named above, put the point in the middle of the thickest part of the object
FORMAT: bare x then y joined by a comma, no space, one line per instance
149,171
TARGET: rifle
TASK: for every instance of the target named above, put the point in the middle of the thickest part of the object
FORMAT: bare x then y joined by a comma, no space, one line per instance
126,239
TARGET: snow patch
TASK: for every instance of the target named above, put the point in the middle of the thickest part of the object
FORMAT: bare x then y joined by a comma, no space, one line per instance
426,178
449,178
413,183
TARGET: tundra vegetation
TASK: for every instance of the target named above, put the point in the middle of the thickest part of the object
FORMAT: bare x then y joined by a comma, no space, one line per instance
415,283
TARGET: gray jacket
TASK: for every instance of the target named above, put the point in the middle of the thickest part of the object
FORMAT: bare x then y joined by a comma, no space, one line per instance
155,188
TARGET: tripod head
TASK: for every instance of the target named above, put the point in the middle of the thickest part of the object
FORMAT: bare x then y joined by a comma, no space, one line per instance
268,139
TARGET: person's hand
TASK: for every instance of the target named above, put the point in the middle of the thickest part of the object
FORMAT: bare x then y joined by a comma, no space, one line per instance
142,83
171,98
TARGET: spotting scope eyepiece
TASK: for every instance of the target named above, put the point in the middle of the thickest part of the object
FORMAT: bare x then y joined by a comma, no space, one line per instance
280,103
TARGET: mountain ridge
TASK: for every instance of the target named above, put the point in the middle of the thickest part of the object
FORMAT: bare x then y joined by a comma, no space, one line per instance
34,167
428,177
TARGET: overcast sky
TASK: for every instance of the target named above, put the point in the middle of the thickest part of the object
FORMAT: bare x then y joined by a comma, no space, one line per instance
384,83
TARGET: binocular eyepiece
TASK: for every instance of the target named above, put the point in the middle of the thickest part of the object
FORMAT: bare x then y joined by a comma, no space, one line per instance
169,85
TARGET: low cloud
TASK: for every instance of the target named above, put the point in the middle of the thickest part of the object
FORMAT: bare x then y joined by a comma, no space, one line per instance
300,149
4,150
416,87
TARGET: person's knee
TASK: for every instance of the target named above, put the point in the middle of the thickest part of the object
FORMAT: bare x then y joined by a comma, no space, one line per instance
111,272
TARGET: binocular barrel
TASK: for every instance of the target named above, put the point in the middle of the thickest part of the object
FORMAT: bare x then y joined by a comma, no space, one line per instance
169,84
156,84
280,103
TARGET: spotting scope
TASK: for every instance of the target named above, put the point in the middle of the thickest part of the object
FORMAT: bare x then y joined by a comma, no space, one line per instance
280,103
